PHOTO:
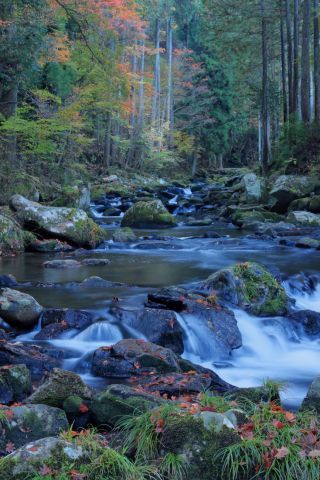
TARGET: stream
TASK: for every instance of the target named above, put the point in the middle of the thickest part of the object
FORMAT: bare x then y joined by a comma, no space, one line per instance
270,347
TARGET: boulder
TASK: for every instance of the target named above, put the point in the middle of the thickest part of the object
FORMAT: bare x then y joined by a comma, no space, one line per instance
177,384
11,236
15,383
288,188
160,327
314,205
247,219
118,401
152,214
38,360
304,218
28,423
143,361
19,309
49,246
55,322
300,204
250,286
29,460
307,242
312,400
252,187
198,439
124,235
8,281
61,264
133,357
60,385
222,333
69,224
95,262
306,322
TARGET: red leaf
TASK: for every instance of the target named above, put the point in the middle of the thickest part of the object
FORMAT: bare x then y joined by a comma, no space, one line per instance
83,408
290,417
278,424
45,470
10,447
246,431
160,425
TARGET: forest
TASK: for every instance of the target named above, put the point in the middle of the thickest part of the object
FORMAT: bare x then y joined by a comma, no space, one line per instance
159,239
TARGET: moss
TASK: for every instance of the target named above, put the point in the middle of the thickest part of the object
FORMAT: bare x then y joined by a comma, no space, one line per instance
157,363
242,218
148,214
72,404
260,289
11,236
87,232
186,435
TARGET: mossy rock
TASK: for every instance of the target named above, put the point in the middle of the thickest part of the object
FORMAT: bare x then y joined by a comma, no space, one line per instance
250,286
60,385
70,224
124,235
28,423
118,401
242,219
312,400
17,379
300,204
12,238
187,436
151,214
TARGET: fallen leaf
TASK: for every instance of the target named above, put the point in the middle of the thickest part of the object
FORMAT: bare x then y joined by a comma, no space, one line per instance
278,424
314,454
282,453
45,470
10,447
83,408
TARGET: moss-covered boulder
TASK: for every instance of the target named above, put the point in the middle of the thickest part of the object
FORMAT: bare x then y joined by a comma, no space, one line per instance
120,400
28,423
304,218
60,385
314,205
19,309
312,400
12,237
250,286
15,383
133,357
29,461
151,214
124,235
245,219
198,439
288,188
69,224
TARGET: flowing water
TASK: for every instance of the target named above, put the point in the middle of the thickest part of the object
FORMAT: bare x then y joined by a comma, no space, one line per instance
271,349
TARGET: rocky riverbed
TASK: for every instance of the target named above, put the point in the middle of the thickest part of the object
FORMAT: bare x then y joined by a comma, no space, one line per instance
158,295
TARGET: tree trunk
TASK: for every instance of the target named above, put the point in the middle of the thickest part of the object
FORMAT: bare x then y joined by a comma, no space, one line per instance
296,23
316,61
283,64
220,158
169,116
265,92
305,63
290,55
156,115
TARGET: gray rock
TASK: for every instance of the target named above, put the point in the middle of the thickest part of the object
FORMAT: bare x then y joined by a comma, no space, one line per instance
312,400
70,224
28,423
15,383
19,308
288,188
124,235
59,264
304,218
60,385
151,214
252,186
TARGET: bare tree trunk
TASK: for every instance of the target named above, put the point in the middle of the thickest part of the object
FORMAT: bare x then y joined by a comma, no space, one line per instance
265,91
290,55
169,116
141,88
296,58
283,64
107,143
316,61
156,115
305,63
220,159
